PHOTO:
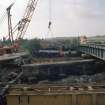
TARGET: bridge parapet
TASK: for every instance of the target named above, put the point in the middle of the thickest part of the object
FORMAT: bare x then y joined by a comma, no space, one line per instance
97,51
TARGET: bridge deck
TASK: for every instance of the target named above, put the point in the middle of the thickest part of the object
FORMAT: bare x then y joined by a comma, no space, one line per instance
97,51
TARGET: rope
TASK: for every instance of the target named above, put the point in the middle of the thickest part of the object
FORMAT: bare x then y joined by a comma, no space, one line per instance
49,33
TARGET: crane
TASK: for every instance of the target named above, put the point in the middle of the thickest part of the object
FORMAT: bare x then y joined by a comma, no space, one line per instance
10,23
23,24
21,27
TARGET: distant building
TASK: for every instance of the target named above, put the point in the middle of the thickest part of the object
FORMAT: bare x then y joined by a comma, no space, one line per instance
97,39
83,40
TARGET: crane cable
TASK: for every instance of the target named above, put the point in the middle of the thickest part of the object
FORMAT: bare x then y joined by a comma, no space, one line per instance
50,14
49,33
3,18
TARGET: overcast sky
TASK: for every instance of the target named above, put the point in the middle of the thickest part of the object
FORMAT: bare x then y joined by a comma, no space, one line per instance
69,17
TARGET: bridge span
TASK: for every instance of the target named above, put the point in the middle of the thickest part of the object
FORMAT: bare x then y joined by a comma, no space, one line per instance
95,50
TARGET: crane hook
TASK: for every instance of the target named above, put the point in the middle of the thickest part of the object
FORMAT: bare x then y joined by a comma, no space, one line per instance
50,23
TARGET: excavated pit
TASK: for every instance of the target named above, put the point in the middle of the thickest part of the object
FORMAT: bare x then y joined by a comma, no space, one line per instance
76,70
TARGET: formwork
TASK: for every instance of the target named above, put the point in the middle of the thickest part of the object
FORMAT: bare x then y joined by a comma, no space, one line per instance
56,95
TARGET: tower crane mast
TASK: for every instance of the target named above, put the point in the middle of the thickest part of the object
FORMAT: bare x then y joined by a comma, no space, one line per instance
10,23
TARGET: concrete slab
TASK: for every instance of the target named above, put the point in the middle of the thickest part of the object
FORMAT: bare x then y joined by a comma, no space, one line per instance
57,63
12,56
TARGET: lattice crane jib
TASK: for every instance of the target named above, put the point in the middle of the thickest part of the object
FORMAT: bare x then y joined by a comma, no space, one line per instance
23,24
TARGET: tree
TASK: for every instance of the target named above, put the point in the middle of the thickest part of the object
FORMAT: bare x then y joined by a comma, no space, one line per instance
31,45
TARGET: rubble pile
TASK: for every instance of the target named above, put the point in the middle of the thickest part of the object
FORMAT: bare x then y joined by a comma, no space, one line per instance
96,78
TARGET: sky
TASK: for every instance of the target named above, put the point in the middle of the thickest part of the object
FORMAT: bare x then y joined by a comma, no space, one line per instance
69,18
